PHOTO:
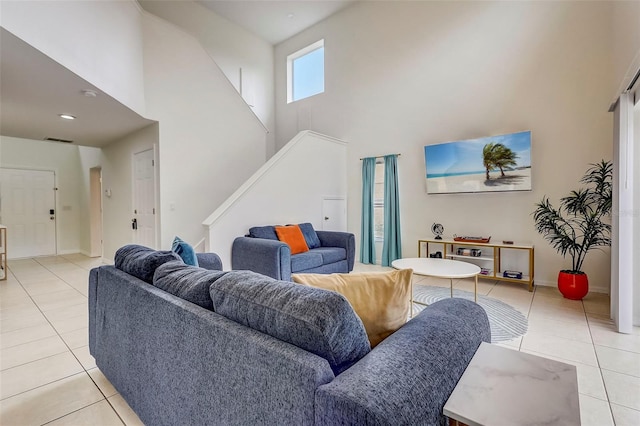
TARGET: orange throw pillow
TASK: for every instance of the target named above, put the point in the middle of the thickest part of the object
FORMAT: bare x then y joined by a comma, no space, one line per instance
292,236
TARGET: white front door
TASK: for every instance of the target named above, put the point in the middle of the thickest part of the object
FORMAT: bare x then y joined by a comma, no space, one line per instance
334,214
144,199
27,209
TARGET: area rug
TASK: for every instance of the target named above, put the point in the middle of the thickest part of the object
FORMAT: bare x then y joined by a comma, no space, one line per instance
506,322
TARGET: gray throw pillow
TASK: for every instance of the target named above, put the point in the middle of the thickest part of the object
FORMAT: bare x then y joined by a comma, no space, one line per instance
141,262
319,321
266,232
187,282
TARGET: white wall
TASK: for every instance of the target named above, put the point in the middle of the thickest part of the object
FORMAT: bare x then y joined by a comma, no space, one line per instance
626,43
402,75
101,41
232,47
89,157
289,188
65,161
209,142
117,175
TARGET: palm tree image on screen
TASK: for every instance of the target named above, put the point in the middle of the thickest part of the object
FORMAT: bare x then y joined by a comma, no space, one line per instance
579,224
497,155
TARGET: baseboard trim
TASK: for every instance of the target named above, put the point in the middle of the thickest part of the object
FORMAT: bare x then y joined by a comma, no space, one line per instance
72,251
593,289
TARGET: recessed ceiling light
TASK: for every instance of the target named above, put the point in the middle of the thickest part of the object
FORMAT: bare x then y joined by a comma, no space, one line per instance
67,116
89,93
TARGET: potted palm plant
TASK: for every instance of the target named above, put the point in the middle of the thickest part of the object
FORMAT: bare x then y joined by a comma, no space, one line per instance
579,224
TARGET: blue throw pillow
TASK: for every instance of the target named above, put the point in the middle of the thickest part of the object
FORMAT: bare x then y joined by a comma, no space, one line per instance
310,235
266,232
185,251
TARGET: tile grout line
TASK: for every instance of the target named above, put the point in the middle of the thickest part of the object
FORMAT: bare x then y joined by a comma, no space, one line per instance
43,385
75,411
59,277
535,289
604,384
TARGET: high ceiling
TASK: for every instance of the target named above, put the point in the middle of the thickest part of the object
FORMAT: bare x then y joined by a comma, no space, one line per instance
276,21
34,90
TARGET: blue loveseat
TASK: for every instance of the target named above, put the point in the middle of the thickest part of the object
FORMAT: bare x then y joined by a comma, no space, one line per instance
261,251
188,346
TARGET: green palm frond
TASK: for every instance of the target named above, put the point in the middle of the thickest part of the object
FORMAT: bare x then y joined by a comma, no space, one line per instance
579,223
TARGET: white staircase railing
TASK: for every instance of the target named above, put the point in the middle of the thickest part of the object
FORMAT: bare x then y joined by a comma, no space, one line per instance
289,188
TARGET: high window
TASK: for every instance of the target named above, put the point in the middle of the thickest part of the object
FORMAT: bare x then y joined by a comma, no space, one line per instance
305,72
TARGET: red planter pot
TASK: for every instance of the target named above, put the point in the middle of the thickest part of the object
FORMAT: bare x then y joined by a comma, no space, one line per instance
573,285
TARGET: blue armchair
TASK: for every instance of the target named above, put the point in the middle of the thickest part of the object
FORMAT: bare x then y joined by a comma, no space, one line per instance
268,256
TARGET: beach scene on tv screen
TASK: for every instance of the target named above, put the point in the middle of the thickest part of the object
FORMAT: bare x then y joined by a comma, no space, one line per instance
489,164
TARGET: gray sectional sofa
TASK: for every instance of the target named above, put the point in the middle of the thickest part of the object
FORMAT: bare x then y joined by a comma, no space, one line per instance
261,251
190,346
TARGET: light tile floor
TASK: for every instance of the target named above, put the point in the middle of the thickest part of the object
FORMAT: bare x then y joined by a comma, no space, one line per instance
578,333
48,377
46,373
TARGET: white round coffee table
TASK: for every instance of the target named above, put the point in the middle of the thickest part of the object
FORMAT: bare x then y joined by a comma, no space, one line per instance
440,268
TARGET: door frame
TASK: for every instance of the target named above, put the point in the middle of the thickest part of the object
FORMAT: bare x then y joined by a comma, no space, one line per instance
96,221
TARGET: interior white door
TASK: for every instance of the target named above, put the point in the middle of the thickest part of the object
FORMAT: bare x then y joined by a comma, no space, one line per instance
622,221
334,214
144,199
27,209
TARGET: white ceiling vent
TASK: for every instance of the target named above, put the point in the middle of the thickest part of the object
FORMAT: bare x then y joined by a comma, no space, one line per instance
58,140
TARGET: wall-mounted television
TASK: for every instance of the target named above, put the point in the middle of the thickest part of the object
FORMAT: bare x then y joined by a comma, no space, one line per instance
490,164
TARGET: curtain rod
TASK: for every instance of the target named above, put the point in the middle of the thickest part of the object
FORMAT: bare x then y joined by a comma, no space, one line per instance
381,156
634,80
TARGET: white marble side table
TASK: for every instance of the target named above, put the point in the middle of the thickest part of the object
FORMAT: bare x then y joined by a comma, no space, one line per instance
505,387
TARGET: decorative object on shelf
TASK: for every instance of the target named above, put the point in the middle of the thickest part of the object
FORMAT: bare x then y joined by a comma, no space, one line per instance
485,271
436,255
469,252
490,164
437,230
481,240
512,274
507,242
578,225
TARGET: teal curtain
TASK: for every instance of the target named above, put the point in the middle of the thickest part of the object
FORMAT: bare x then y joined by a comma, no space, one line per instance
367,244
392,246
